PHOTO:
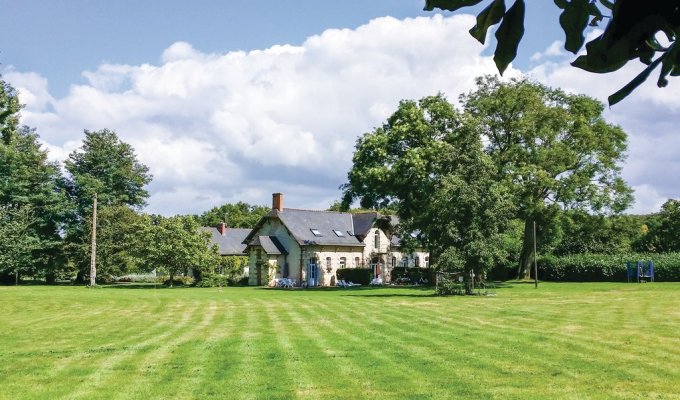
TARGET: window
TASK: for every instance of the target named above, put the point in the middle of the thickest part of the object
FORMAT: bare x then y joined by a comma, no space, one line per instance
376,239
394,262
417,260
316,232
404,262
357,262
338,233
343,262
329,265
427,261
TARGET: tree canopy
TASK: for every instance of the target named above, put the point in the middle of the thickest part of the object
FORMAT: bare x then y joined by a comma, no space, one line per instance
32,192
517,147
427,164
237,215
553,150
109,167
631,33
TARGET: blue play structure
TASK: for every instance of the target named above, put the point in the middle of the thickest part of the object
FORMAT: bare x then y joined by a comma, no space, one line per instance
643,271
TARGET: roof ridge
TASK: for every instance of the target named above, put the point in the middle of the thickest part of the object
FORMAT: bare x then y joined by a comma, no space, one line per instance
319,211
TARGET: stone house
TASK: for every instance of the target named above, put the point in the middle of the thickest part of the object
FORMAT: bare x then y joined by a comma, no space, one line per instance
309,246
229,241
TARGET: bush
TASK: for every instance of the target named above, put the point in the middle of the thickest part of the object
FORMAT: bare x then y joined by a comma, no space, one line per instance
605,267
136,278
412,275
356,275
177,281
210,280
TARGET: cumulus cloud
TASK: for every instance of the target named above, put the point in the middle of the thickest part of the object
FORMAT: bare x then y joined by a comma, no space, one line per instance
218,127
649,115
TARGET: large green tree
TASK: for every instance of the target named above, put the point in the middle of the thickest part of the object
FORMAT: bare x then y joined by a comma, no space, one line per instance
18,242
553,150
630,34
667,233
176,245
237,215
121,244
426,162
31,186
107,166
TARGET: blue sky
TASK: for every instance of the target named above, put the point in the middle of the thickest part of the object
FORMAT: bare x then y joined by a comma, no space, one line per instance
60,39
234,100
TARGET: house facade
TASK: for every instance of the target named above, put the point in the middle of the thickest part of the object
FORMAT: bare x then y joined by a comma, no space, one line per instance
309,246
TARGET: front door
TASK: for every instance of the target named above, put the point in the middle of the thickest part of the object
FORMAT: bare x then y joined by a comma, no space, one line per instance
312,273
375,262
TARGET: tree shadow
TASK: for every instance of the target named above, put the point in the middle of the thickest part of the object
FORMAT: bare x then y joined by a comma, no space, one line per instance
138,286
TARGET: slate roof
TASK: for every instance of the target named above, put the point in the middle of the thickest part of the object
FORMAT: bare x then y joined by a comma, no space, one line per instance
270,244
354,228
301,222
363,222
231,243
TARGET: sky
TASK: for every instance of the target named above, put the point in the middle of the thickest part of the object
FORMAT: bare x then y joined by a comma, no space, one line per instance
230,101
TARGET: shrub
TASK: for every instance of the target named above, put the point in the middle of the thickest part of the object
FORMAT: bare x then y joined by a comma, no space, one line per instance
356,275
177,281
413,274
210,280
605,267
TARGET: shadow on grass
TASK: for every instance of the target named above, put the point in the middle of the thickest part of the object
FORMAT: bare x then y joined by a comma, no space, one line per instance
140,286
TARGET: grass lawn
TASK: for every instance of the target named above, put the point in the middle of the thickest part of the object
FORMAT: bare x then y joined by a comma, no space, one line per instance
562,341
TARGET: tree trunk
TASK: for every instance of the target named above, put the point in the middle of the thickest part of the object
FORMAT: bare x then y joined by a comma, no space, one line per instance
527,256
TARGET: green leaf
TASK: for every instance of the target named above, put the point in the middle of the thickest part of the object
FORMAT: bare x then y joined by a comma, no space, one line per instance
561,4
491,15
509,35
449,5
607,4
574,20
668,65
632,85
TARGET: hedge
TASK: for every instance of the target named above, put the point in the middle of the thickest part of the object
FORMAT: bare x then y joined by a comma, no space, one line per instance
414,274
355,275
605,267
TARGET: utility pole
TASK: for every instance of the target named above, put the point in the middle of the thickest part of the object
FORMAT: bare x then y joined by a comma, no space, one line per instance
535,263
93,257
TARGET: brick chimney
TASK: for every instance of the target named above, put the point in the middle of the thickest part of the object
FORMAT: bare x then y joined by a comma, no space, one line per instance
277,201
222,228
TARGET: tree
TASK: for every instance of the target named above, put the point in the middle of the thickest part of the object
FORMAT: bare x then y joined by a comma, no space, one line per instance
428,165
32,186
176,245
553,150
238,215
121,247
9,110
17,242
667,234
107,166
629,34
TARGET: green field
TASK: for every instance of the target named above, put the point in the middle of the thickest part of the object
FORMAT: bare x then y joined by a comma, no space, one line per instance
561,341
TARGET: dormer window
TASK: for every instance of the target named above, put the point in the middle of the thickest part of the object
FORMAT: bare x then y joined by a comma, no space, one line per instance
338,233
316,232
376,239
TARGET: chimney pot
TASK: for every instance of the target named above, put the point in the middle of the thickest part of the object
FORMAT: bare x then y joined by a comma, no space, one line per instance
277,201
222,228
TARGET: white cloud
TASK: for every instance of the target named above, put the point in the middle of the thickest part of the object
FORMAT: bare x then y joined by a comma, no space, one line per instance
241,125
